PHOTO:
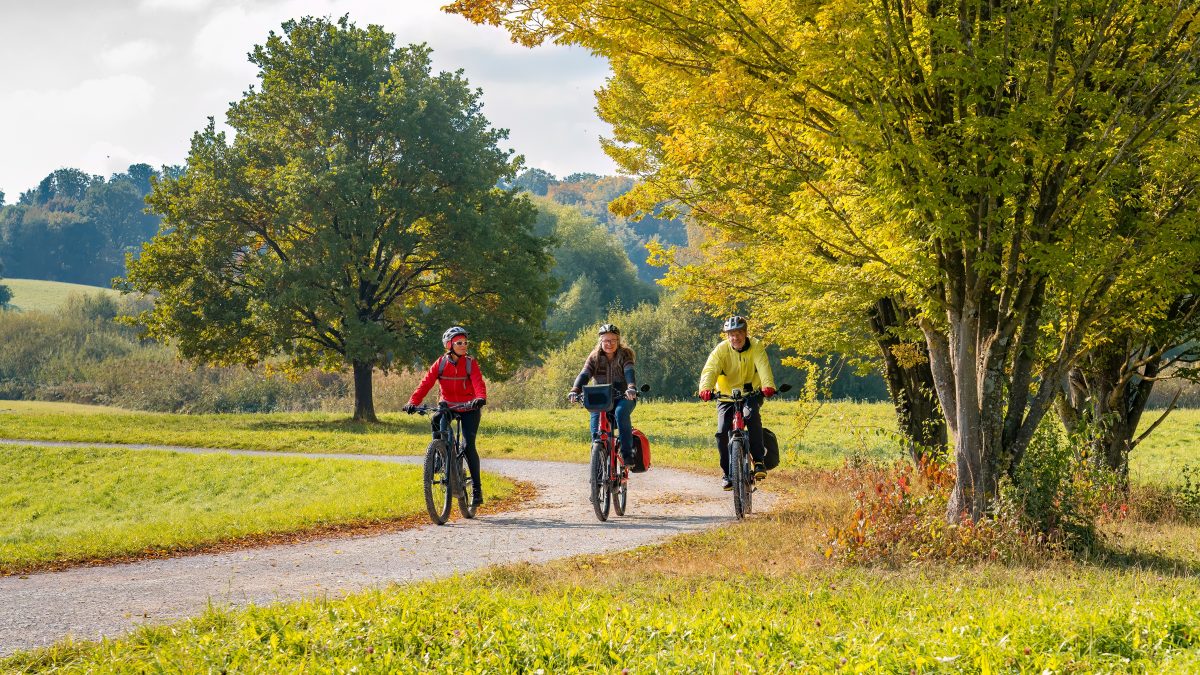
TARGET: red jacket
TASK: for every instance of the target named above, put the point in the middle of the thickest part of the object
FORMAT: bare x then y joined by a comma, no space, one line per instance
456,386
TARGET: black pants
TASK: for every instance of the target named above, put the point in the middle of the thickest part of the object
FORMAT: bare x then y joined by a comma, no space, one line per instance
470,428
725,412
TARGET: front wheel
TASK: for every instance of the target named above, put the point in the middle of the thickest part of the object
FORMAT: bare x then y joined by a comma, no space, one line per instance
620,488
737,470
466,488
438,488
601,496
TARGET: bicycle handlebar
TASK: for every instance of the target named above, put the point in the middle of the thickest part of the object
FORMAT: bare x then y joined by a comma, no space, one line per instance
456,407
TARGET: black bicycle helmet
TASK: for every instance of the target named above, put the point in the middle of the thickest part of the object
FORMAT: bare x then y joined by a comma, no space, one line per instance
734,322
609,328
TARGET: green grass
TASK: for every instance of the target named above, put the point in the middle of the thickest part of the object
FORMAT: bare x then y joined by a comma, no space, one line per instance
681,434
752,597
71,505
34,295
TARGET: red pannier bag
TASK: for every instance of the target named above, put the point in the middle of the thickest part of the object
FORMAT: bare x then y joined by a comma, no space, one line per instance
641,452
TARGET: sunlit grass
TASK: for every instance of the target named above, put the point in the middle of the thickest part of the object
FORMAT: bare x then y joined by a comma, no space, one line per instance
756,596
70,505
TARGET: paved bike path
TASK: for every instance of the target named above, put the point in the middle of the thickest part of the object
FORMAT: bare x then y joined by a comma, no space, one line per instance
88,603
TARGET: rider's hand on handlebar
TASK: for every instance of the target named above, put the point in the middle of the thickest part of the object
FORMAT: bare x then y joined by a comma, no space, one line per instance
631,393
574,396
409,408
768,391
706,394
478,403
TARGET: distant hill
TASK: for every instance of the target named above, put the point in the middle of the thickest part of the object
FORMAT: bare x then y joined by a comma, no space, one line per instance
34,295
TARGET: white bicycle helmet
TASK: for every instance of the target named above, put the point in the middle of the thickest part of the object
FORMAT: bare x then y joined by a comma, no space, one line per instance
451,333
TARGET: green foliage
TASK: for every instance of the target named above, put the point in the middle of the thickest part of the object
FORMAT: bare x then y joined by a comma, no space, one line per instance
850,622
66,505
593,271
353,217
78,228
5,291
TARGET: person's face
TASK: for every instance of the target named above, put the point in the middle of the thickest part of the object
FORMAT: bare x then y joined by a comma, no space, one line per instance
459,344
609,342
737,338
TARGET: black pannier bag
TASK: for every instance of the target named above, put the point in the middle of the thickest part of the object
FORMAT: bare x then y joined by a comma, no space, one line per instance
771,445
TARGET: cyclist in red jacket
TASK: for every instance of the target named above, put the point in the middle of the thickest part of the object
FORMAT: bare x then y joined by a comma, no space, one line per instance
461,384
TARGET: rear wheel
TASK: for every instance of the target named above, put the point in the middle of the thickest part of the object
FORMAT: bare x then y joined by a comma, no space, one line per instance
466,489
601,496
438,487
737,470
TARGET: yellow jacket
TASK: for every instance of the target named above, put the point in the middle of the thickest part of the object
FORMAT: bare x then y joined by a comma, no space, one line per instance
729,368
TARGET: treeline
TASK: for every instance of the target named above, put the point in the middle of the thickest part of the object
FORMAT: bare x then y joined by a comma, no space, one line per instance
76,227
591,194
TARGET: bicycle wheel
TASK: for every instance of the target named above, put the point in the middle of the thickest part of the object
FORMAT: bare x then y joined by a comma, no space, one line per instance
438,488
737,468
620,489
465,488
748,477
601,497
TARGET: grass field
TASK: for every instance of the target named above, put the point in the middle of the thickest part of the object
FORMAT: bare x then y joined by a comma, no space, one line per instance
681,434
34,295
62,506
754,597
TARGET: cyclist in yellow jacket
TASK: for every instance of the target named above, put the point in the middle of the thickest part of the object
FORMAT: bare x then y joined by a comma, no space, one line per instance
735,363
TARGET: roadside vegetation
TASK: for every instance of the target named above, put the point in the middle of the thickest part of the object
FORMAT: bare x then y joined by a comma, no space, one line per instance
65,506
721,601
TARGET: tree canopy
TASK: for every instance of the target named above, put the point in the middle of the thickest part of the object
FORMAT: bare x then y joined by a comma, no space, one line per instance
352,218
1004,169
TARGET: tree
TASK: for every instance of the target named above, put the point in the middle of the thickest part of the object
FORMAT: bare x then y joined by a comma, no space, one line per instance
353,217
534,181
5,291
971,160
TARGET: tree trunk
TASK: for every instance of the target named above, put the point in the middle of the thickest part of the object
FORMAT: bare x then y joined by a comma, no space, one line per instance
910,385
364,397
1101,394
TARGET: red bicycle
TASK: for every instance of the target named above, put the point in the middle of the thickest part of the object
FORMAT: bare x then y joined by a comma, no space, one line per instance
608,475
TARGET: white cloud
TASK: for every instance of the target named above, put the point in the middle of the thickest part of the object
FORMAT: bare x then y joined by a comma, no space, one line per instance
89,103
174,5
131,54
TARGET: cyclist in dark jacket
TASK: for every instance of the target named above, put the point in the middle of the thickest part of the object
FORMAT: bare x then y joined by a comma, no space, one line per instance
461,384
612,363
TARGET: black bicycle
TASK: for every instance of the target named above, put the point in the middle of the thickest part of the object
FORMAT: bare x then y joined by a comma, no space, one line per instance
741,461
446,475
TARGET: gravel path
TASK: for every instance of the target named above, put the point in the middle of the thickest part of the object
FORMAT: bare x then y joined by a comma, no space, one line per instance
88,603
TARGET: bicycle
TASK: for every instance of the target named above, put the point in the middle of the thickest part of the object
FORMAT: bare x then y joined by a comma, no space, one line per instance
741,461
447,478
608,476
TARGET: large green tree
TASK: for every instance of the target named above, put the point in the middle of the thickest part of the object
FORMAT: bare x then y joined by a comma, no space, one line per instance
973,159
352,218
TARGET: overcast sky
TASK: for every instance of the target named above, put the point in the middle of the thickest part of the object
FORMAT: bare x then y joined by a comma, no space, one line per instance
102,84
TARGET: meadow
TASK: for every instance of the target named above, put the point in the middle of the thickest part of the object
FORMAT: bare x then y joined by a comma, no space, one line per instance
755,596
64,506
36,295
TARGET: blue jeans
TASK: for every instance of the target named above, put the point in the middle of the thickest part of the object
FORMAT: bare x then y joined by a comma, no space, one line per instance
623,412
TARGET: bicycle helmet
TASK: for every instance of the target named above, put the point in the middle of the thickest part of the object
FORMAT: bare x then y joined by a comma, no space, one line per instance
451,333
608,328
734,322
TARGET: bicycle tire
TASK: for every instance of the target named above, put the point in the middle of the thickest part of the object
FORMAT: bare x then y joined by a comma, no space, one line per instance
601,496
736,469
465,486
439,489
620,490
